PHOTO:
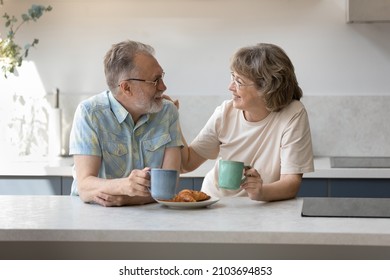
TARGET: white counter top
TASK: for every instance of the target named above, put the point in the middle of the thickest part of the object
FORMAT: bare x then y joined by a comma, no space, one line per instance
323,169
63,167
231,221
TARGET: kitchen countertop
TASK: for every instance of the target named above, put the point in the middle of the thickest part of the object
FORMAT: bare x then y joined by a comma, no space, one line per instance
48,226
62,166
323,169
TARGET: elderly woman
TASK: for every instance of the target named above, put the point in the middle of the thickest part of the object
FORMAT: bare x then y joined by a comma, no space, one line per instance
264,125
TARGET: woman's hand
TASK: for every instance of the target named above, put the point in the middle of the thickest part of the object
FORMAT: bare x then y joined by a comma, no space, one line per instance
253,184
176,102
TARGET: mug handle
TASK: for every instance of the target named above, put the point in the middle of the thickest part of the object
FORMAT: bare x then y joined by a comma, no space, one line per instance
246,167
150,187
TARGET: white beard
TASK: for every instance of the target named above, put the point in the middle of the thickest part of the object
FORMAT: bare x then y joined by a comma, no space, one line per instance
155,107
149,106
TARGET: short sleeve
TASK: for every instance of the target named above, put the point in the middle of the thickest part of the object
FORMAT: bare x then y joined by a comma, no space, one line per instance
174,127
83,129
296,145
207,143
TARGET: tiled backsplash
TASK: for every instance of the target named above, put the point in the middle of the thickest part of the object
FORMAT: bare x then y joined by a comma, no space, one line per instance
340,125
349,125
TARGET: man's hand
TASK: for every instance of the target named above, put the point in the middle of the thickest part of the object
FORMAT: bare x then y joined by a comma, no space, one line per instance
133,190
138,183
108,200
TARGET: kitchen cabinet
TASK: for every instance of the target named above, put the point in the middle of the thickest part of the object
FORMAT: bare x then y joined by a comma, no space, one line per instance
345,187
194,183
66,185
367,11
359,187
185,183
325,187
45,185
35,185
310,187
313,188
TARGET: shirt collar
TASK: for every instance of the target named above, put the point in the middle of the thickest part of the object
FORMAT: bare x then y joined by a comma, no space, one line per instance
119,111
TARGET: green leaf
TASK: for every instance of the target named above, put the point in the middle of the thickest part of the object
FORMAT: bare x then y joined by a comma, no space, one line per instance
11,53
6,16
36,11
11,34
25,17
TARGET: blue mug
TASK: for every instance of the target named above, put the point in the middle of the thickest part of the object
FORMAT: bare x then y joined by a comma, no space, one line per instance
163,183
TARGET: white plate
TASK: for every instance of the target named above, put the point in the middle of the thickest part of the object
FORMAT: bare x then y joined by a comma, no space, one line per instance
189,205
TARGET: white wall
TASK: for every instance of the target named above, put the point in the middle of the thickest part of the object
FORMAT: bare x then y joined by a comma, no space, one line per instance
336,63
194,40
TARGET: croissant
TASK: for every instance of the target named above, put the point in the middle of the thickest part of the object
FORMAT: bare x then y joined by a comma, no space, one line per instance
187,195
200,196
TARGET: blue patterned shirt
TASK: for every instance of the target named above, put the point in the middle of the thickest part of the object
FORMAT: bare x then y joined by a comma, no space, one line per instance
103,127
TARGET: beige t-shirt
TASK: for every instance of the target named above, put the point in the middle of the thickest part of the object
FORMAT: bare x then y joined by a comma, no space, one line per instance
279,144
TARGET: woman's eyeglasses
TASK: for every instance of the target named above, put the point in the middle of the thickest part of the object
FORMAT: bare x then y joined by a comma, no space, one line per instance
237,83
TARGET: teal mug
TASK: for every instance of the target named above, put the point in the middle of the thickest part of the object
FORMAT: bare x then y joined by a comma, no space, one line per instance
163,183
231,174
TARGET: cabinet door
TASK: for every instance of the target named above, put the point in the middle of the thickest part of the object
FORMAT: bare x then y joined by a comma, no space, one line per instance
66,185
198,183
360,188
185,183
313,188
192,183
10,185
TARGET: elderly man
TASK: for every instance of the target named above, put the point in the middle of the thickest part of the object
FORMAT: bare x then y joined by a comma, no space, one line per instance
119,134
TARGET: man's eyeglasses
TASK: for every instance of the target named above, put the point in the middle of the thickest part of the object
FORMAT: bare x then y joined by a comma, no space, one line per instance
237,83
154,83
